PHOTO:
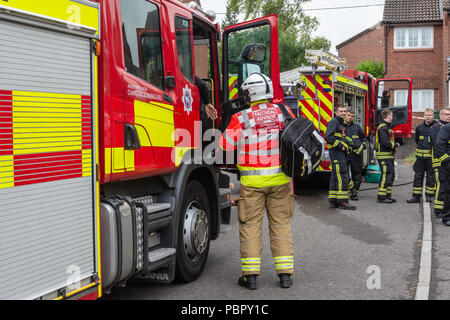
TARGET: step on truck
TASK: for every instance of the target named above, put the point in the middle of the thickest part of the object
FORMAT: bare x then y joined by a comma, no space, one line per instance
101,126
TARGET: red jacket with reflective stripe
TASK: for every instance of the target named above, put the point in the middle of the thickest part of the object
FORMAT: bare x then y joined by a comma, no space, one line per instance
254,132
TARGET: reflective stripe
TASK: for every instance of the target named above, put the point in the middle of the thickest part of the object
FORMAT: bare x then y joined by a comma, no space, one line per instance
338,174
445,156
283,262
360,149
253,138
283,258
334,145
384,155
270,152
381,190
250,264
229,140
261,172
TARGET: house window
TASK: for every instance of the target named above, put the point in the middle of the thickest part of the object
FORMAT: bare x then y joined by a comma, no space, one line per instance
400,98
413,38
421,99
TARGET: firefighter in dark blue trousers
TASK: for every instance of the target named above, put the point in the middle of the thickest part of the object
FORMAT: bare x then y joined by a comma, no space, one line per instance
444,118
442,152
338,148
385,147
357,142
423,163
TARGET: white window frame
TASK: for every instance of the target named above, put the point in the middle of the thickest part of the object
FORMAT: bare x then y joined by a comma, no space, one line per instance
403,101
418,104
419,39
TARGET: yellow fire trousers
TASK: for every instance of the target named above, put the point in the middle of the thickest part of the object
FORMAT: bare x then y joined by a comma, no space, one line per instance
252,204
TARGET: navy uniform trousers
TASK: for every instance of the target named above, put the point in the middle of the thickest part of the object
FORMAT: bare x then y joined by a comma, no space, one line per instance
338,190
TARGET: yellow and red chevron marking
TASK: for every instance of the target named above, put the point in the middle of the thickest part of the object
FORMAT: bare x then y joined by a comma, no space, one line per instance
234,92
44,137
320,107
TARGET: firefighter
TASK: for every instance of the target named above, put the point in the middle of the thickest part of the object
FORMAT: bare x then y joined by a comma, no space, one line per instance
423,163
254,133
386,147
338,149
357,142
442,152
444,118
210,111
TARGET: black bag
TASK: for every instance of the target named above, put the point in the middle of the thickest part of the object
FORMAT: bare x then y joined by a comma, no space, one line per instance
301,146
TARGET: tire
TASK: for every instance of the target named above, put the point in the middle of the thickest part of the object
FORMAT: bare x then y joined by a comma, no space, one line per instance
194,233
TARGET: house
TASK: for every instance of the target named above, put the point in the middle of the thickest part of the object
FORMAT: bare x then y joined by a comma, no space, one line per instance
415,44
366,45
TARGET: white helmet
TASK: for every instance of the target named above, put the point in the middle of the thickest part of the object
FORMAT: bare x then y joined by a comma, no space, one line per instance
257,87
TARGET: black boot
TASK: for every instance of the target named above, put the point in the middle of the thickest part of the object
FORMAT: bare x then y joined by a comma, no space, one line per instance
346,206
389,196
248,281
354,195
387,200
414,200
285,280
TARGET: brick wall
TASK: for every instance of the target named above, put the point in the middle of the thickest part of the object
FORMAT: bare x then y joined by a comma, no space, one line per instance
446,52
369,46
424,66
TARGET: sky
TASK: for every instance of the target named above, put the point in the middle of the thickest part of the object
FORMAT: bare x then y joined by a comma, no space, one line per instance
336,25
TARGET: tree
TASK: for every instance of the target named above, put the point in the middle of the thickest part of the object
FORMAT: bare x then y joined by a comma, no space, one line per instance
376,69
294,27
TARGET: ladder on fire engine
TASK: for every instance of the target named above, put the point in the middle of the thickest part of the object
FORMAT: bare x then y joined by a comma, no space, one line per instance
326,59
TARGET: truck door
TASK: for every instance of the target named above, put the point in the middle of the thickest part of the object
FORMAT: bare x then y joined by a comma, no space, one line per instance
249,47
148,102
395,94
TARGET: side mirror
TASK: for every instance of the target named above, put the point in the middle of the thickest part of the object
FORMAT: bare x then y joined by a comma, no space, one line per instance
170,82
254,53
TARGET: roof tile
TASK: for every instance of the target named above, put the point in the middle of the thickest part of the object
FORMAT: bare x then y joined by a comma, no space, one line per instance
405,11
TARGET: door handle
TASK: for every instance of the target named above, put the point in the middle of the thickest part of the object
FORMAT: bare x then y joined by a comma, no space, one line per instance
131,138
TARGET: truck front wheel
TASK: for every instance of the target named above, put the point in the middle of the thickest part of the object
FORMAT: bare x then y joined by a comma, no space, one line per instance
194,233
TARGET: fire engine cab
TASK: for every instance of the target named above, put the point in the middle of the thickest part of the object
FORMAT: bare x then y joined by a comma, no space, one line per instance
315,91
102,178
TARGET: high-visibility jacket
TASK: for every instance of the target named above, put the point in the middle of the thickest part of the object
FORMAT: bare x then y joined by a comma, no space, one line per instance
423,140
384,142
434,134
442,146
254,133
335,134
356,139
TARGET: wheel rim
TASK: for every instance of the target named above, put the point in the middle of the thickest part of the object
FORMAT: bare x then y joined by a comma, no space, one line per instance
195,231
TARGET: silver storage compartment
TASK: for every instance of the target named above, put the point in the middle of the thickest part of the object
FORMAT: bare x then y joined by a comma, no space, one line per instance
128,252
109,244
118,241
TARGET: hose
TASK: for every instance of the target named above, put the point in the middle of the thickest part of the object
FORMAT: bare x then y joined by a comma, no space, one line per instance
395,185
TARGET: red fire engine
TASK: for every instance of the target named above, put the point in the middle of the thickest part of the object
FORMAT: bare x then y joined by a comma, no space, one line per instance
100,179
314,92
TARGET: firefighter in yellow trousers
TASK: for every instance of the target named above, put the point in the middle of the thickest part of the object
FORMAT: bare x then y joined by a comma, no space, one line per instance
254,133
